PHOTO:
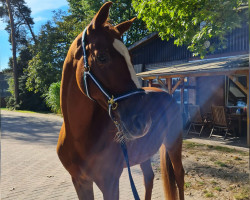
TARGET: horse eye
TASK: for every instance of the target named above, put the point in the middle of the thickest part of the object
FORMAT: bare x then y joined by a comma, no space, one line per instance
102,58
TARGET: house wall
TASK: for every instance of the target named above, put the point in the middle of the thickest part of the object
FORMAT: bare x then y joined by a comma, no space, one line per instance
155,50
192,92
158,51
210,90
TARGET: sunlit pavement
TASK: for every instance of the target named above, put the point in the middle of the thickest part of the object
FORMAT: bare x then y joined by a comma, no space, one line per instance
30,168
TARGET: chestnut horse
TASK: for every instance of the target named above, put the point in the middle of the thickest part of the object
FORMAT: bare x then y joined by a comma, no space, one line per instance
148,118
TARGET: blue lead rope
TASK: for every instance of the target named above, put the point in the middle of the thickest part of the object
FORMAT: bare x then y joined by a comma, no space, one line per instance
125,153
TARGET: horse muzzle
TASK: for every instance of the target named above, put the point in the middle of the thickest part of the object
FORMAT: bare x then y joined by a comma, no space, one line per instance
135,127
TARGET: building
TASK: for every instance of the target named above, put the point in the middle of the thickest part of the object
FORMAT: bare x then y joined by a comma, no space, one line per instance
222,78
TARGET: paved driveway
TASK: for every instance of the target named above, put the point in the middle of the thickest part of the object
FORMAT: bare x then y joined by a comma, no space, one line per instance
31,169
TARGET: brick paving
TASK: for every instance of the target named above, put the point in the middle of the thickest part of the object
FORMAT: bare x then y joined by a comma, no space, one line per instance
30,168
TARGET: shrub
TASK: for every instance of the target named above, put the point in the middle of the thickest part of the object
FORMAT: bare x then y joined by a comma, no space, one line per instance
52,97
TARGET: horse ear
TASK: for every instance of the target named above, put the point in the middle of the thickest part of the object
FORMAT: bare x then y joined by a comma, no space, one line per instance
102,15
124,26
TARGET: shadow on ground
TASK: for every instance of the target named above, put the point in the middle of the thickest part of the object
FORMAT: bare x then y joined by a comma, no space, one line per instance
30,129
219,137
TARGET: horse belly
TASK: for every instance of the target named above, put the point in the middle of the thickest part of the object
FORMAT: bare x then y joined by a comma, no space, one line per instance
144,148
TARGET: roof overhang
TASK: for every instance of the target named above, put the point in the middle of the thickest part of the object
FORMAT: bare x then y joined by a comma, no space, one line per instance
209,67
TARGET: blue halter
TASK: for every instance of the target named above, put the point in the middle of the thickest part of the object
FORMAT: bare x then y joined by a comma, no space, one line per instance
112,105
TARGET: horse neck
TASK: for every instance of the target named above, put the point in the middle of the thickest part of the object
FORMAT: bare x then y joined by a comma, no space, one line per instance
81,115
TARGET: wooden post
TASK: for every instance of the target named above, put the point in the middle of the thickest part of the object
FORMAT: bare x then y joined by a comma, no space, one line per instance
169,81
176,85
150,83
182,102
182,94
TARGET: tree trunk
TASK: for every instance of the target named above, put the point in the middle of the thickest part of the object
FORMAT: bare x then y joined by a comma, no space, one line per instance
13,43
28,24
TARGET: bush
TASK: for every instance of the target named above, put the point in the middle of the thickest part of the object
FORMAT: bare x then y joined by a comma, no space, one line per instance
11,103
53,97
28,100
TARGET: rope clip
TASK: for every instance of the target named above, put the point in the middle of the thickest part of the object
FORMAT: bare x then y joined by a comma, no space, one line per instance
113,103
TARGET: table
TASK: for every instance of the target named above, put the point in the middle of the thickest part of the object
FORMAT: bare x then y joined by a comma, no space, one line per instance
239,118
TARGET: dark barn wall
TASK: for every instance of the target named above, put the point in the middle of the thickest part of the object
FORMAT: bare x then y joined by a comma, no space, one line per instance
210,90
156,51
237,41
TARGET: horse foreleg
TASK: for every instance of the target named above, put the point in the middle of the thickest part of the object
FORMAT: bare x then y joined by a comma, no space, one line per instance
148,176
175,157
84,189
109,187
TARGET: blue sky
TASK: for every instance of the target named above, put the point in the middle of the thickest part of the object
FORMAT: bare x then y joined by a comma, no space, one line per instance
41,13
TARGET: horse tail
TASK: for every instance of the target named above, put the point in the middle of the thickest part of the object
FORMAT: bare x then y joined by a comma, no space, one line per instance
168,176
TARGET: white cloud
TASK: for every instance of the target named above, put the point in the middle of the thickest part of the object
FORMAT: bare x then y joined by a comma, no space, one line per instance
38,5
40,19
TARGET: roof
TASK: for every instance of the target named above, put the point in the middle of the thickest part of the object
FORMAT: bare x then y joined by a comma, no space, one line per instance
207,67
142,41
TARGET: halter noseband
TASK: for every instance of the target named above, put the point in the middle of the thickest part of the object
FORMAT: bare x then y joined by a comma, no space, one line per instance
112,100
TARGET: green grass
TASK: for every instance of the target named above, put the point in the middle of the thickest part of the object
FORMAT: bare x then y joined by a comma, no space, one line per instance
191,145
187,184
208,194
221,164
214,182
243,194
201,182
218,188
226,150
237,158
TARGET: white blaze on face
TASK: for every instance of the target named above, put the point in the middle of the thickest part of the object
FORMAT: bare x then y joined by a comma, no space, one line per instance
122,49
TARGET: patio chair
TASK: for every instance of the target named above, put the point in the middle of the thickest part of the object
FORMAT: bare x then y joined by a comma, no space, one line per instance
195,118
220,120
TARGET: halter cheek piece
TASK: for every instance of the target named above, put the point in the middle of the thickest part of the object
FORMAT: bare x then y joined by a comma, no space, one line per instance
112,101
112,105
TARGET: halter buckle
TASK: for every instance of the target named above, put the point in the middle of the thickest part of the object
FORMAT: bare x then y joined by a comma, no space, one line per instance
86,68
113,103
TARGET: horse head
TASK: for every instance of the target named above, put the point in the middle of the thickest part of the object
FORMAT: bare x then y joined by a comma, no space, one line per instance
106,74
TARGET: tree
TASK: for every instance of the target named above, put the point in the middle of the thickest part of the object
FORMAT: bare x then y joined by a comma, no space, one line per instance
82,12
48,57
123,10
24,13
13,44
18,18
194,22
